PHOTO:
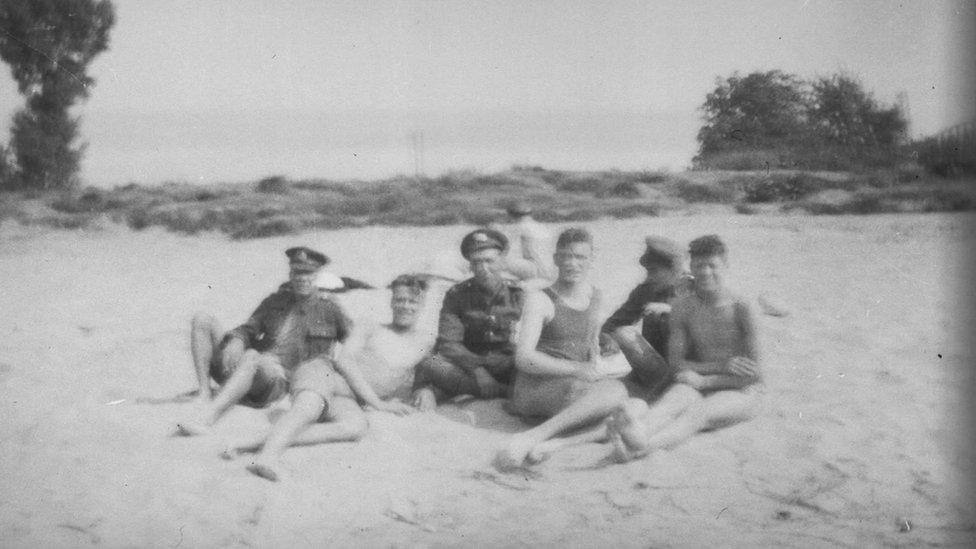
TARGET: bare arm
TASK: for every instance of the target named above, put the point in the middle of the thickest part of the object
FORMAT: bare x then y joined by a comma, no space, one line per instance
539,309
348,366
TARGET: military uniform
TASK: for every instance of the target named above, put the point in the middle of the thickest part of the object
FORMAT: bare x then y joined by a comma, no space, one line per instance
477,327
293,334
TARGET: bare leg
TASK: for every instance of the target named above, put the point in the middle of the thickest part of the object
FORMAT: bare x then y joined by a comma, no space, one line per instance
234,390
204,340
650,368
716,410
542,451
601,399
635,434
298,427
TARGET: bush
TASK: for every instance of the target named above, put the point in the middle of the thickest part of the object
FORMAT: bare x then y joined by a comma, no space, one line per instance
690,191
275,184
622,189
91,200
634,210
783,187
275,226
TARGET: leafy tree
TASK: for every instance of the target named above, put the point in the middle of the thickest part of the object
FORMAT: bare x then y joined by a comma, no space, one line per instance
772,118
49,45
762,110
844,114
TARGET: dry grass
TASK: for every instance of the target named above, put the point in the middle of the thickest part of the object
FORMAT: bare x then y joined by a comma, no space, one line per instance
276,206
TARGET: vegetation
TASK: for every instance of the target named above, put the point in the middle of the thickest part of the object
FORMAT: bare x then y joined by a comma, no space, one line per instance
49,45
277,206
775,120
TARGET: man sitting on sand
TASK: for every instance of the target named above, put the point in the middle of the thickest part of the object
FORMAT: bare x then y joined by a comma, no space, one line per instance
557,355
713,346
474,353
376,364
649,303
291,327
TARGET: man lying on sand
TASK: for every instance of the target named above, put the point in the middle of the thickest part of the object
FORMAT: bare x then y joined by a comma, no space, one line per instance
649,303
713,346
475,354
376,364
292,327
557,355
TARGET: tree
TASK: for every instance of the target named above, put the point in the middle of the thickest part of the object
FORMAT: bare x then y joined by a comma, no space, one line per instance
762,110
774,119
844,114
49,45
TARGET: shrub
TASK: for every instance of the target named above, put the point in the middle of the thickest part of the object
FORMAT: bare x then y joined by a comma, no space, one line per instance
275,184
783,187
690,191
91,200
634,210
275,226
622,189
746,209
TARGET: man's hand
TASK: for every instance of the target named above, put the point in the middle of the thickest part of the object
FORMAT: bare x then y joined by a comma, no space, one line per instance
691,379
488,386
656,308
744,367
395,407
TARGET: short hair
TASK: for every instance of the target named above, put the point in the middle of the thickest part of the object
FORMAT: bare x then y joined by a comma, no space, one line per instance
708,245
416,283
572,236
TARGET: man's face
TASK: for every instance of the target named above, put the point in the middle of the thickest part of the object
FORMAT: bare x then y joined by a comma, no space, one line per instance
486,265
302,283
573,261
709,272
406,304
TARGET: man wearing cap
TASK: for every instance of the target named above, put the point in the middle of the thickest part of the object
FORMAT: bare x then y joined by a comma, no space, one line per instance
291,327
649,302
475,350
534,240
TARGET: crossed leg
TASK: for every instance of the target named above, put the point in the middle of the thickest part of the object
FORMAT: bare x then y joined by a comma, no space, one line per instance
637,429
323,410
598,400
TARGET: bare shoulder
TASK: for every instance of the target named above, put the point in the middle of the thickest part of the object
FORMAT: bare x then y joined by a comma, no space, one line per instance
682,305
537,302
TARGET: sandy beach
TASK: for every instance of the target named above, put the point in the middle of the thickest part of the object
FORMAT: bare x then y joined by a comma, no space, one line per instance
862,441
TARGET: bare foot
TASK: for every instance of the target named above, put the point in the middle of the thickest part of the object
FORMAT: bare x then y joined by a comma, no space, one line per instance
515,453
192,428
266,469
424,399
543,451
627,439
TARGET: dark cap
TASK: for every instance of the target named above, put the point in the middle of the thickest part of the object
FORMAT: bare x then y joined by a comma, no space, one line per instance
519,207
305,259
483,239
661,251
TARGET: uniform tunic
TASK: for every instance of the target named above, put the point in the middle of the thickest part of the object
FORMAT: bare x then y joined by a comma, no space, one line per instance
481,320
294,328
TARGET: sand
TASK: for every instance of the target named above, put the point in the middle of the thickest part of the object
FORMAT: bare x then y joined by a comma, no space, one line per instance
861,441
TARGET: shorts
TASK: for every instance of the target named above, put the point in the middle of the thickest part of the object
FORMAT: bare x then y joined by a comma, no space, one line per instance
270,381
320,377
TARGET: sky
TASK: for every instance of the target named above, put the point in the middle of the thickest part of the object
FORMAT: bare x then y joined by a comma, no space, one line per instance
238,90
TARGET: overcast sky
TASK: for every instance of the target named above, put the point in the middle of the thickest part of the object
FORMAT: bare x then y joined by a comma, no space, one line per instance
235,90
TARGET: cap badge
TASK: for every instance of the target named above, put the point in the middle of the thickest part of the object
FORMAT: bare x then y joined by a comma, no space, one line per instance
481,237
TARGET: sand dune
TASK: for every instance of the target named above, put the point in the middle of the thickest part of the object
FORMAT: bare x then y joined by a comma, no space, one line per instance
861,443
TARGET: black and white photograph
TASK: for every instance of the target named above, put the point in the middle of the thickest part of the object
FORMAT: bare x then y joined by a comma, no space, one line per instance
459,273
